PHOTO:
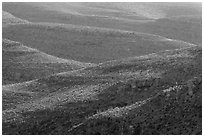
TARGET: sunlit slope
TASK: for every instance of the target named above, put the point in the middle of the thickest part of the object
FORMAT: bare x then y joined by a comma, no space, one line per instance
172,111
134,11
149,10
71,11
21,63
8,18
155,18
148,79
186,28
88,44
117,90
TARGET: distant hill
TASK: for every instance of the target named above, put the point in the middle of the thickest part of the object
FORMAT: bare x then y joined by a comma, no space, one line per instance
152,10
88,44
116,10
138,95
106,68
154,18
21,63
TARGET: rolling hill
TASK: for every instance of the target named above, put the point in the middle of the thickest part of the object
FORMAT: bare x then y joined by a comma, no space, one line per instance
116,10
138,95
101,68
154,18
8,18
152,10
88,44
21,63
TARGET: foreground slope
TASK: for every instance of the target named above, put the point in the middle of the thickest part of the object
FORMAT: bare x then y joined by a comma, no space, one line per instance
21,63
153,94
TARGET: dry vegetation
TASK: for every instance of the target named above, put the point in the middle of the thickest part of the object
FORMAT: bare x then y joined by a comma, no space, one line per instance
147,78
21,63
68,105
88,44
176,28
9,19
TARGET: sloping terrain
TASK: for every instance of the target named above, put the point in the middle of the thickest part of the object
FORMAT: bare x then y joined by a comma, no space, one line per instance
8,18
134,11
21,63
152,10
88,44
147,78
153,94
154,18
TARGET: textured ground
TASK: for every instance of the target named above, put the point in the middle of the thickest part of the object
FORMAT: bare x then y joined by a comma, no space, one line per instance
102,68
86,98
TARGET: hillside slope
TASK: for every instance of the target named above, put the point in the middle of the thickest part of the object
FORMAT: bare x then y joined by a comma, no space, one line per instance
8,18
21,63
89,44
154,18
153,94
152,10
